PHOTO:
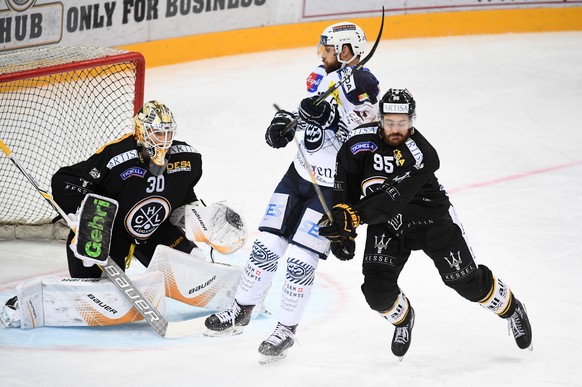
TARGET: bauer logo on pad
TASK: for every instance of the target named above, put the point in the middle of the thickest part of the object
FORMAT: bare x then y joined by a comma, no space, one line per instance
94,227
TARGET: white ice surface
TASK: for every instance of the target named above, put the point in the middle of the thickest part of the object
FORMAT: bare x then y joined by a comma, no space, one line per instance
505,114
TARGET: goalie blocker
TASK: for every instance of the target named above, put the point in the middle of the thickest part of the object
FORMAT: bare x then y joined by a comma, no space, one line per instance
94,224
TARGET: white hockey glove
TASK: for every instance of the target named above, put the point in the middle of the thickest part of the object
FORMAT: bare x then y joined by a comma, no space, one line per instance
218,225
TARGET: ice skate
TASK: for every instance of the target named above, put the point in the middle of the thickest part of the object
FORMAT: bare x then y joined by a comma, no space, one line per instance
275,347
403,335
10,315
229,322
518,324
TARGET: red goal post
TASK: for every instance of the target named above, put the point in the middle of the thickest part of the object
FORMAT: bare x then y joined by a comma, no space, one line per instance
58,105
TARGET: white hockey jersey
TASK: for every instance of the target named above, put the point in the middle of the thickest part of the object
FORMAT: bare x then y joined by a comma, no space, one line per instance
357,101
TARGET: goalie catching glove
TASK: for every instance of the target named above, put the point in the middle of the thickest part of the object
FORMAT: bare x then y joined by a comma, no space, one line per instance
341,230
218,225
92,225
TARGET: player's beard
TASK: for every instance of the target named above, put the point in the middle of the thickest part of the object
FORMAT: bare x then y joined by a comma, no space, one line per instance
397,139
331,67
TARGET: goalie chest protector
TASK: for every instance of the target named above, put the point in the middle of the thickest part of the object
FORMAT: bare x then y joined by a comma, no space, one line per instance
145,200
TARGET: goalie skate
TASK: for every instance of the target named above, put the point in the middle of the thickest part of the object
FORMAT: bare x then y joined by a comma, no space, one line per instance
275,347
229,322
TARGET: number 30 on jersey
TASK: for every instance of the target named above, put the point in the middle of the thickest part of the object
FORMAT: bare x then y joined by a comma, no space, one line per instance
156,184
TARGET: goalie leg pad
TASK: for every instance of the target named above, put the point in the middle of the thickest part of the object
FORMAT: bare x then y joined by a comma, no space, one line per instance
192,280
84,302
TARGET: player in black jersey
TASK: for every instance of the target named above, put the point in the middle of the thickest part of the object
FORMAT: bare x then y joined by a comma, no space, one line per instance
385,177
288,231
150,174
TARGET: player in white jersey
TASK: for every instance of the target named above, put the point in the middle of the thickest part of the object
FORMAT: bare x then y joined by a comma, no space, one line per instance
289,225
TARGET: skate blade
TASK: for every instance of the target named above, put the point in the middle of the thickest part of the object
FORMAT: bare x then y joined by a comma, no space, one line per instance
227,332
265,359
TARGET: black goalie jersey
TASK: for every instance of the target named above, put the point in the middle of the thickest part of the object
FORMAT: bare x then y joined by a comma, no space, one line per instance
398,183
145,200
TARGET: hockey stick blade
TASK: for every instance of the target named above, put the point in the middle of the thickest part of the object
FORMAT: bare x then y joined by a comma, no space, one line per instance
149,312
346,76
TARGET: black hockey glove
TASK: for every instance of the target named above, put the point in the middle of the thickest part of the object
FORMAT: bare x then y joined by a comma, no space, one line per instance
322,114
281,130
344,249
344,221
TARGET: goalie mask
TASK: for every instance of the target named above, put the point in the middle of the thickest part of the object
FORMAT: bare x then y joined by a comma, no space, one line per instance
342,33
155,128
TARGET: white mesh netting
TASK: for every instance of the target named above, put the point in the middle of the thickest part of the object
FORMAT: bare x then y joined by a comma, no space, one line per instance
58,105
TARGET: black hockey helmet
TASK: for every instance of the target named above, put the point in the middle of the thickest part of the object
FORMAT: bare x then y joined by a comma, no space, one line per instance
398,101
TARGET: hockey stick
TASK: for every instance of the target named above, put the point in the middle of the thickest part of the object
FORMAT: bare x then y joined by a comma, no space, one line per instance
149,312
347,75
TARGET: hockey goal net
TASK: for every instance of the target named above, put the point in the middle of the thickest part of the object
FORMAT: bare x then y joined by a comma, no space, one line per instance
58,105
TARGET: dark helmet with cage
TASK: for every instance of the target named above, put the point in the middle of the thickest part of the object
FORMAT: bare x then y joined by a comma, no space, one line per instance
398,101
338,34
155,128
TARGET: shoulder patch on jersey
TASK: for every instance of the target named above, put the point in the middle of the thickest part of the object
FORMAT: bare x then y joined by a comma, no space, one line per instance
182,148
364,130
122,158
366,146
133,171
416,152
313,81
349,84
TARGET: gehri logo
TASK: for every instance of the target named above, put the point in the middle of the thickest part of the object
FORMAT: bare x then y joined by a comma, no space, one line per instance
146,216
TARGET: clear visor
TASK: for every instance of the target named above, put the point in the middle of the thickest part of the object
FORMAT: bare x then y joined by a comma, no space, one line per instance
322,45
398,121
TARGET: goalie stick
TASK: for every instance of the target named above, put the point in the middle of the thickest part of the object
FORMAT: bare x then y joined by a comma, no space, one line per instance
165,328
347,75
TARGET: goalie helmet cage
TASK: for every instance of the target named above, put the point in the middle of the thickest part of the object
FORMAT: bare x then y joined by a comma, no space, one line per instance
58,105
